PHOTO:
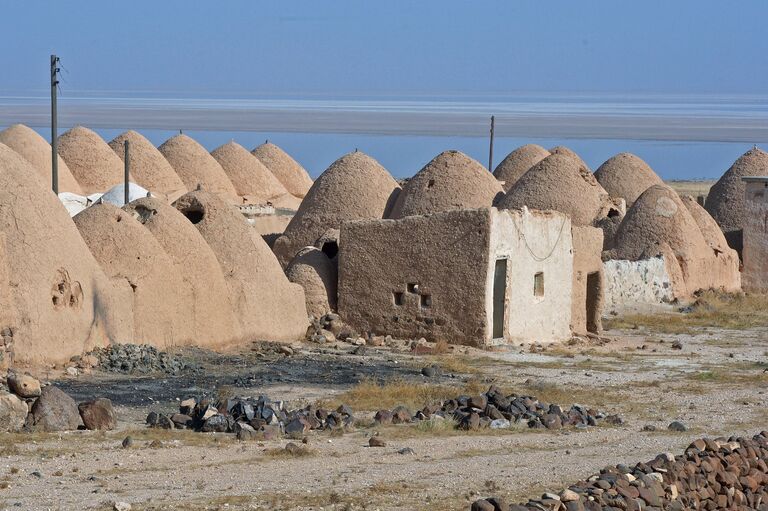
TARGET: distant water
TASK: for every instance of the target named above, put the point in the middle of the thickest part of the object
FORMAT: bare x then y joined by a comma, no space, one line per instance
681,137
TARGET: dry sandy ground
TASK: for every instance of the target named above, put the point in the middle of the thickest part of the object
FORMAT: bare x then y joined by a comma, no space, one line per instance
702,385
693,188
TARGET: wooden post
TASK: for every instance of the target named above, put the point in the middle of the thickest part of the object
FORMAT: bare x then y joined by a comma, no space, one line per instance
127,162
490,149
54,126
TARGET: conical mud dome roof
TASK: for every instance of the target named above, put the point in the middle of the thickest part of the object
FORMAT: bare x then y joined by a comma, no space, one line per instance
317,274
37,151
287,170
712,233
148,168
197,168
250,177
725,201
92,162
658,217
354,187
560,183
214,321
627,176
127,251
517,163
56,300
267,305
567,151
452,180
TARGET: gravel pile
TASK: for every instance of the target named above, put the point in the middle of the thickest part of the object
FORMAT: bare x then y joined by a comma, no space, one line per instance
712,474
250,417
138,358
495,410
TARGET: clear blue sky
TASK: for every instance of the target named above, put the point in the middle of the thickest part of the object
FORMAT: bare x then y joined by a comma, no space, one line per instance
427,48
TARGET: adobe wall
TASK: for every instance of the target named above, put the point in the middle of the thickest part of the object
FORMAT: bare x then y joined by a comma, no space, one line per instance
532,242
445,255
627,283
587,250
755,252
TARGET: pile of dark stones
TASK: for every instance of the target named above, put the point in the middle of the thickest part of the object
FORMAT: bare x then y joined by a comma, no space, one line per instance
330,328
496,410
138,359
711,474
251,418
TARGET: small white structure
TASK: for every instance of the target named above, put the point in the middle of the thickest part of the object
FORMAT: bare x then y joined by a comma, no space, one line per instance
755,234
632,283
74,203
116,194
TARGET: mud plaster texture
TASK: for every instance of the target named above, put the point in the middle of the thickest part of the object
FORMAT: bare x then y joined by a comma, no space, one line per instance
631,283
659,223
567,151
37,151
197,168
251,178
56,300
92,162
725,201
452,180
354,187
148,168
627,176
588,280
755,275
267,305
288,171
517,163
213,319
560,183
317,274
134,260
432,276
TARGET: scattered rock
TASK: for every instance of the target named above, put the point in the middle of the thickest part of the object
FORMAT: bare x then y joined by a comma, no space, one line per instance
121,506
407,450
677,426
98,414
23,385
376,441
137,359
127,442
677,345
13,412
383,417
54,410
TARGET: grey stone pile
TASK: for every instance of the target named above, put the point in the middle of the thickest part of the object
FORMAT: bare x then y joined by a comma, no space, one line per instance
330,328
711,474
496,410
30,406
250,417
138,358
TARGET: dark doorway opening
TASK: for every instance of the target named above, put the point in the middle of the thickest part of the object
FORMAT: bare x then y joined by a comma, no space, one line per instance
499,297
330,248
593,302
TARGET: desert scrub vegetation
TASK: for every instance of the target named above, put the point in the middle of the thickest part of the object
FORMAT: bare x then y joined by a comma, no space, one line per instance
734,311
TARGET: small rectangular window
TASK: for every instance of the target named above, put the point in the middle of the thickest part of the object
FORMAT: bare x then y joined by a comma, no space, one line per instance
413,288
538,284
398,297
426,301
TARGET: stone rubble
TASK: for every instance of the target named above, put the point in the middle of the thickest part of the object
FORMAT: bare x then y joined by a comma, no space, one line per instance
251,418
495,410
711,474
138,358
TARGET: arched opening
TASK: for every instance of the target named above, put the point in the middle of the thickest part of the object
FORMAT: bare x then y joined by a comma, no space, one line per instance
194,215
330,248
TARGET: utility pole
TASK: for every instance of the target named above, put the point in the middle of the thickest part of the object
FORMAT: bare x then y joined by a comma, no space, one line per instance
127,161
490,149
54,125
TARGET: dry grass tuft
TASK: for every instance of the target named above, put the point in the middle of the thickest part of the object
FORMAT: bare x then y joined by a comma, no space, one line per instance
711,309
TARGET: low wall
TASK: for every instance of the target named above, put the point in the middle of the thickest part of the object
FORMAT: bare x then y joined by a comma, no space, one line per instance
629,283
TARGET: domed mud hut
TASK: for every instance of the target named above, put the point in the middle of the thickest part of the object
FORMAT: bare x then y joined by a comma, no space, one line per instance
293,176
517,163
213,320
659,223
561,183
566,151
452,180
37,151
131,256
268,305
317,274
725,201
197,168
57,302
149,168
251,178
354,187
92,162
627,176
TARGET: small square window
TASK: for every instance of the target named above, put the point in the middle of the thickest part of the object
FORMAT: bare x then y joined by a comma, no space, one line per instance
426,301
413,288
538,284
398,297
